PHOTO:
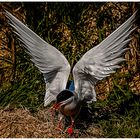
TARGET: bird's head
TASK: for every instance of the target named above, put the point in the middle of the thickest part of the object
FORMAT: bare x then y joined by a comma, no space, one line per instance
63,98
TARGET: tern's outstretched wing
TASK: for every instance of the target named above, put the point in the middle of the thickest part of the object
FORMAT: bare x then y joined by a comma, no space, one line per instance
101,61
48,59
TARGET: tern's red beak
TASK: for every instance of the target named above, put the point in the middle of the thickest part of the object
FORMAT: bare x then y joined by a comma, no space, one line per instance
56,106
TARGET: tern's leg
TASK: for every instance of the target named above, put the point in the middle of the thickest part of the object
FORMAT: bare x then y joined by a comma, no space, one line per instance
70,129
72,122
59,127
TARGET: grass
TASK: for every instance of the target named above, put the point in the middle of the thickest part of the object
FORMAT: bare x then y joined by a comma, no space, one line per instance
121,116
111,118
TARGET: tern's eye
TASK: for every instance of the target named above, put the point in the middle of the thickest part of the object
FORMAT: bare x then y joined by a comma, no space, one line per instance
64,95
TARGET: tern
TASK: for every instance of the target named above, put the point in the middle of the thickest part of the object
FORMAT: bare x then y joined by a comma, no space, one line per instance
96,64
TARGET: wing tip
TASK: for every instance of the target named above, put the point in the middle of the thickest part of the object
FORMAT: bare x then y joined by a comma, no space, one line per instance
6,13
48,99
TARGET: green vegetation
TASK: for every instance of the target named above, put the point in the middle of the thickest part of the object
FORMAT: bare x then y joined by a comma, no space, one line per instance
118,115
73,28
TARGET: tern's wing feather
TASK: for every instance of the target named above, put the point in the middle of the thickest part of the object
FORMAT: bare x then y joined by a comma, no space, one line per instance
102,60
48,59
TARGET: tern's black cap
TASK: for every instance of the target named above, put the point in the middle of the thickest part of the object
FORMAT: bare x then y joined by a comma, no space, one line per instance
64,95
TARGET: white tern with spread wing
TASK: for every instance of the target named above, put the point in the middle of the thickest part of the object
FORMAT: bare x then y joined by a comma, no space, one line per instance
96,64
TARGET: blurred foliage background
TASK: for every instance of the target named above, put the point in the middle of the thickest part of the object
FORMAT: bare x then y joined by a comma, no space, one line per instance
73,28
